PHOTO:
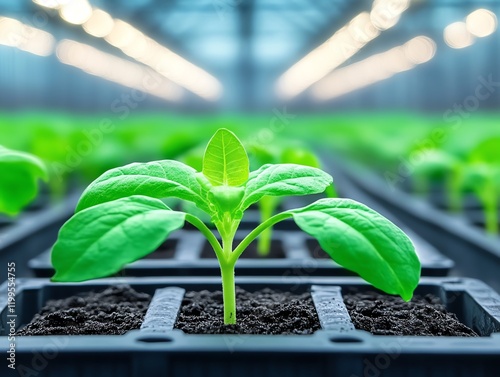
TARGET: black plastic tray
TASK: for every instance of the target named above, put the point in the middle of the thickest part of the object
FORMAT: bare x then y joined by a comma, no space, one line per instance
475,253
32,232
339,352
302,256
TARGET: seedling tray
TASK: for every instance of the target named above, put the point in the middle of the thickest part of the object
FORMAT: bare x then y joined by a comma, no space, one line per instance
475,253
32,232
334,351
294,253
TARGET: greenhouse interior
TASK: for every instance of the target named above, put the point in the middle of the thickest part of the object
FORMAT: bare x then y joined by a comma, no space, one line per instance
250,188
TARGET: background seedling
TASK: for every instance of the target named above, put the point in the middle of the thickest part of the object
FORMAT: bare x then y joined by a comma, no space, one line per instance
19,175
287,152
483,178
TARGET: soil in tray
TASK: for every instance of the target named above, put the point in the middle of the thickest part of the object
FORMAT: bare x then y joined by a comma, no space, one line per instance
276,251
389,315
113,311
262,312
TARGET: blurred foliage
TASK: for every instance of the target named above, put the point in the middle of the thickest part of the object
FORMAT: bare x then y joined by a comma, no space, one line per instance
19,180
427,153
423,150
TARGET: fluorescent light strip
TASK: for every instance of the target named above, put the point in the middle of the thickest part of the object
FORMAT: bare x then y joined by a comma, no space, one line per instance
112,68
375,68
138,46
344,44
76,12
167,63
16,34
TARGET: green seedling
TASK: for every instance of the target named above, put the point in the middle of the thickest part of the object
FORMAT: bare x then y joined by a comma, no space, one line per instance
19,175
435,164
268,205
120,218
483,178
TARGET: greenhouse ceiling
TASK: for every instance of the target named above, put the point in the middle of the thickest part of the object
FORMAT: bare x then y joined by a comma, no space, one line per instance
246,54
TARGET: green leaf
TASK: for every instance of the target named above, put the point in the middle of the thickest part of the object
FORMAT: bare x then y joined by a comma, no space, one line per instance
260,155
304,156
19,175
283,180
157,179
225,162
435,163
300,156
363,241
100,240
193,157
226,199
487,151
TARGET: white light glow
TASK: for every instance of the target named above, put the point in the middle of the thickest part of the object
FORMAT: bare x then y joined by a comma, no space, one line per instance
344,44
420,50
16,34
122,34
481,23
76,12
361,29
375,68
135,44
386,13
457,36
167,63
100,24
52,4
112,68
317,64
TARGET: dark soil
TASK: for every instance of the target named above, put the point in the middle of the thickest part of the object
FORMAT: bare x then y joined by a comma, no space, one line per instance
389,315
113,311
276,251
263,312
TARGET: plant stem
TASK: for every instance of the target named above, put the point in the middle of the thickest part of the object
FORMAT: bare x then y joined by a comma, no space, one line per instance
421,185
228,292
227,229
255,233
267,206
330,191
490,203
207,233
454,184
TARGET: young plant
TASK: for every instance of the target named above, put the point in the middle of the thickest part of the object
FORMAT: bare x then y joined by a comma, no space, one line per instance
483,178
438,165
120,219
19,175
268,205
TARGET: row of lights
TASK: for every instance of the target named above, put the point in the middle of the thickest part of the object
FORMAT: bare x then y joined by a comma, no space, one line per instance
376,68
340,47
114,69
24,37
14,33
478,24
137,45
308,71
